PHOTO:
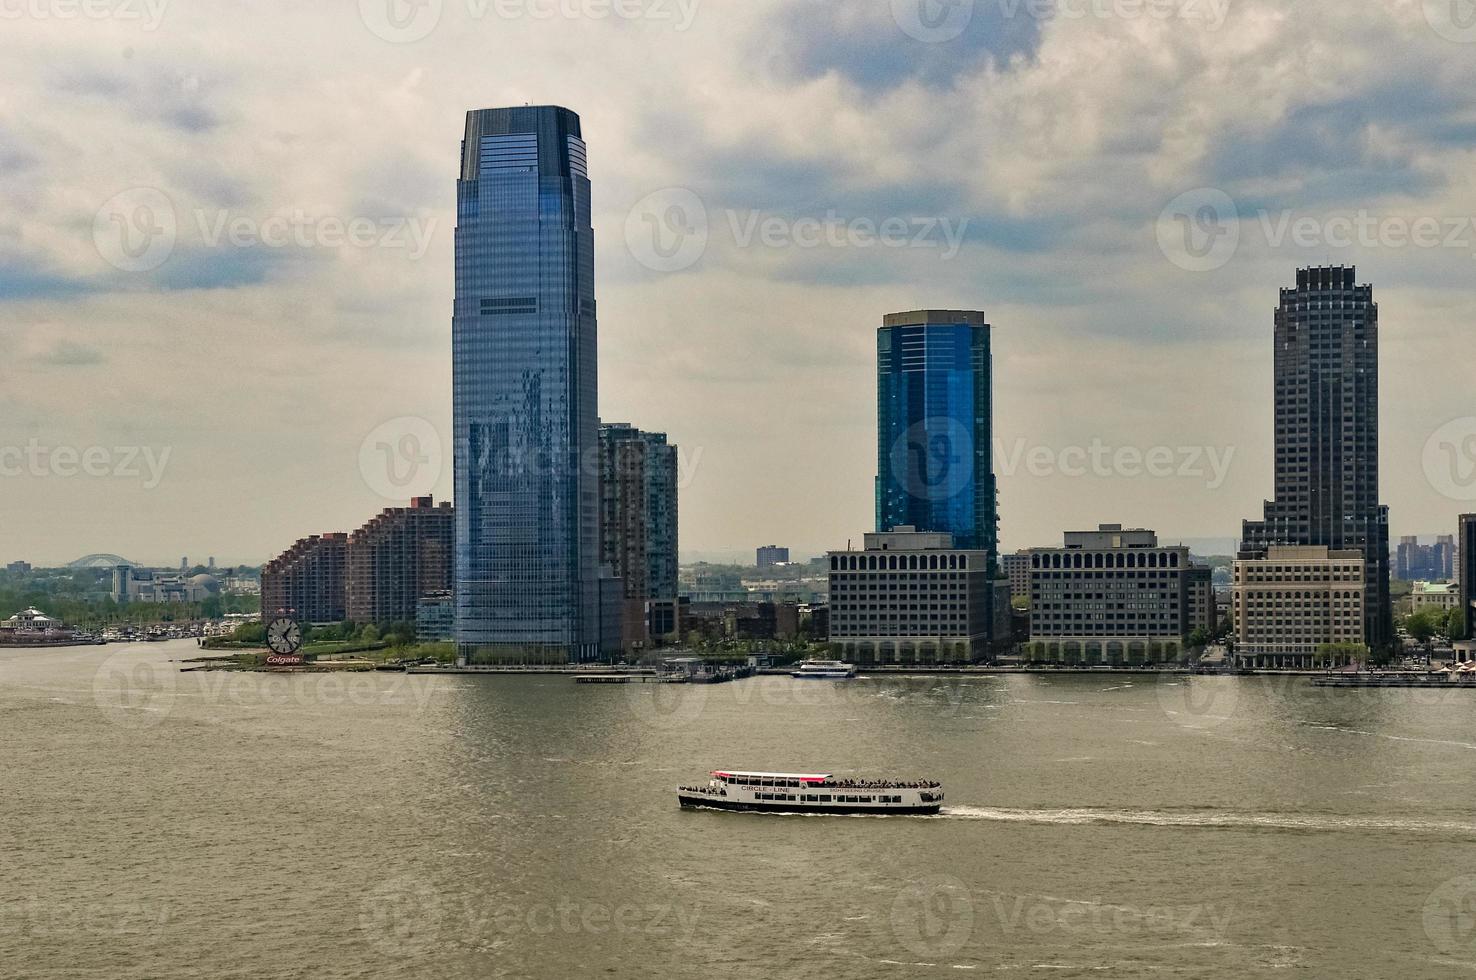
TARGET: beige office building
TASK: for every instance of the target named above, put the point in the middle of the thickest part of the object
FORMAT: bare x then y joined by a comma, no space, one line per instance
913,598
1290,604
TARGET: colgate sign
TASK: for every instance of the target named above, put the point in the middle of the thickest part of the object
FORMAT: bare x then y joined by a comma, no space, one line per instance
284,660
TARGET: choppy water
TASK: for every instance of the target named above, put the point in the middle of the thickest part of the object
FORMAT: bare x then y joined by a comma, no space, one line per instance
157,824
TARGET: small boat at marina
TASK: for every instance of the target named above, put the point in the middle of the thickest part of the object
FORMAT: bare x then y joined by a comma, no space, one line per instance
824,670
790,792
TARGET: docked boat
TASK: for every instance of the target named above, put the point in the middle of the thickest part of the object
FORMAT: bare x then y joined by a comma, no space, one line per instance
824,670
791,792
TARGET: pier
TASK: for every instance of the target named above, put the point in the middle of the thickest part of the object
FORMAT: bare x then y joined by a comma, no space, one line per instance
1462,682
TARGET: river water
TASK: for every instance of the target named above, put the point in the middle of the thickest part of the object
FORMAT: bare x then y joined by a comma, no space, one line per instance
164,824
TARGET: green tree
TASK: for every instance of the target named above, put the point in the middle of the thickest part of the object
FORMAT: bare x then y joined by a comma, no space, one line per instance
1426,624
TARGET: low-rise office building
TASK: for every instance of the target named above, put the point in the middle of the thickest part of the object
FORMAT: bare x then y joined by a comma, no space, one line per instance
1299,607
1109,596
912,598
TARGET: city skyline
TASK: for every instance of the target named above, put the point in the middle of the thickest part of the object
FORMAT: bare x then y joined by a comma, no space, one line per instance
750,353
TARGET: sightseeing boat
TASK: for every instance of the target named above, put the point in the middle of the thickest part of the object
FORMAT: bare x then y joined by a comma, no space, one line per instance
824,670
791,792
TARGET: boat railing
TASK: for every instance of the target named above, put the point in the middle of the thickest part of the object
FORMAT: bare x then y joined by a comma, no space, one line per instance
876,784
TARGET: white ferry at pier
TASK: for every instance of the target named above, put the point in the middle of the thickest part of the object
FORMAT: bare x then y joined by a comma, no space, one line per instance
793,792
824,670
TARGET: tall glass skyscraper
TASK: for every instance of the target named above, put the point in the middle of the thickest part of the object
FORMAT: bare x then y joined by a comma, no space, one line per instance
524,390
1327,433
935,471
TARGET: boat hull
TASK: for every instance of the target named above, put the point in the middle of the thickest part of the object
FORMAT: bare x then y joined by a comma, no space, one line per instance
764,806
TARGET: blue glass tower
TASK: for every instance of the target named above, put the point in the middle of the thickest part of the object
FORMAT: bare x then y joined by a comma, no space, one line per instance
934,406
524,389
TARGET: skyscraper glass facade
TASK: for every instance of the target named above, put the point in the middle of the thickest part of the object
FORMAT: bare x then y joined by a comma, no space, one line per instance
1327,433
934,429
524,392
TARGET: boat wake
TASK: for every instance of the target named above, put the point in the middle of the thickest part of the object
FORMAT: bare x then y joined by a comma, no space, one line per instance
1210,820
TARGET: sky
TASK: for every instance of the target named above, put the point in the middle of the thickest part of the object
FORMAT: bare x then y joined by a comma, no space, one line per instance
226,234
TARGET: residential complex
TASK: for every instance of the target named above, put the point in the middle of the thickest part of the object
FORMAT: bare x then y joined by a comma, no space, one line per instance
638,521
398,557
1432,562
307,581
912,597
1300,606
1327,434
378,574
1109,596
1016,568
524,389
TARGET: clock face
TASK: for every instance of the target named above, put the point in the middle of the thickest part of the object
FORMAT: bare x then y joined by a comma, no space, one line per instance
284,636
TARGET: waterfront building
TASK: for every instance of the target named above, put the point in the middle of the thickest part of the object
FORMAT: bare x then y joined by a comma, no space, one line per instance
435,617
1326,434
1204,612
308,580
935,470
524,388
771,554
30,620
1017,570
912,597
1295,602
404,553
1466,572
18,567
638,520
1109,596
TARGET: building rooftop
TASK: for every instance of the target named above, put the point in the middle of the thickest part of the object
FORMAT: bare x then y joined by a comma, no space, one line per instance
923,318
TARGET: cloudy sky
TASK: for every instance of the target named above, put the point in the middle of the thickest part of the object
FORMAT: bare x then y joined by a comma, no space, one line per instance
226,247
